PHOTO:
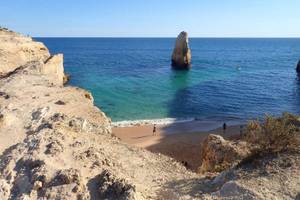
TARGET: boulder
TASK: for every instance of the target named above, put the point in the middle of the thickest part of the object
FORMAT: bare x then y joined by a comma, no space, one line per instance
218,154
54,67
181,57
298,67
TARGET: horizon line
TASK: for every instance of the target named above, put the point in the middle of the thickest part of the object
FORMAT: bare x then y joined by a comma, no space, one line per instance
164,37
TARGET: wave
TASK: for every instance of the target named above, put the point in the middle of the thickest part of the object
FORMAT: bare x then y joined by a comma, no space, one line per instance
163,121
214,123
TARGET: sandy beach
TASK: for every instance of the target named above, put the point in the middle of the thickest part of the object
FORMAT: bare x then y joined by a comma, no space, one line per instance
181,141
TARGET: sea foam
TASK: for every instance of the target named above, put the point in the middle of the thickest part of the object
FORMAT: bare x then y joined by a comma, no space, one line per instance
164,121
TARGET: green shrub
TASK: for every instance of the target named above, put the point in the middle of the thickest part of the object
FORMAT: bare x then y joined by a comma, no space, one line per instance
274,134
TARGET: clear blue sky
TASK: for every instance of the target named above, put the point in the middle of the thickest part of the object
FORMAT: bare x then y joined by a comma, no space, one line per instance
153,18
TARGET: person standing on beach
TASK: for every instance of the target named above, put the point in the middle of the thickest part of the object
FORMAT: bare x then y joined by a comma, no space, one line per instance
241,130
224,128
154,129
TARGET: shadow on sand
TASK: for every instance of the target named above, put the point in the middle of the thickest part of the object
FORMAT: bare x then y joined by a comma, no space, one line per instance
184,144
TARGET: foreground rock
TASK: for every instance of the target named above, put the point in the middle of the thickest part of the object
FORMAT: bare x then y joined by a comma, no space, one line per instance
219,154
181,57
298,67
245,175
272,177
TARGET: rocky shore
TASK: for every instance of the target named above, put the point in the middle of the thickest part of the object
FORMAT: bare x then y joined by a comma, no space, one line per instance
55,144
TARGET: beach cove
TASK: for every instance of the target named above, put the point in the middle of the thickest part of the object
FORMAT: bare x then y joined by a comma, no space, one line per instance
179,140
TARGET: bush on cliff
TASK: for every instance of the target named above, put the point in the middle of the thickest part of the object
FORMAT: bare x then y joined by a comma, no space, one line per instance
274,134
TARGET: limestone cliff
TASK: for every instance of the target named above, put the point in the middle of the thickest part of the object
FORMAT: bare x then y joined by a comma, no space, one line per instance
16,50
53,67
181,57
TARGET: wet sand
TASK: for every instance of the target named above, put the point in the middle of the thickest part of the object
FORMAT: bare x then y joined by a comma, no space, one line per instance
181,141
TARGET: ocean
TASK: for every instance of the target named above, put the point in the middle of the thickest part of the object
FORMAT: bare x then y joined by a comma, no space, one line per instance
230,79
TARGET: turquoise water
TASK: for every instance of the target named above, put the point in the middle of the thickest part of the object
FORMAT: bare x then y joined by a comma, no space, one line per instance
131,78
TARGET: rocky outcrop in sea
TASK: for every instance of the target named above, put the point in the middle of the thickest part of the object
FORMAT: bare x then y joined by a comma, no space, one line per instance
181,57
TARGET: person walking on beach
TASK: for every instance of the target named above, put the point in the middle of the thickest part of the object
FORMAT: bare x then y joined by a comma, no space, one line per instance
154,129
224,128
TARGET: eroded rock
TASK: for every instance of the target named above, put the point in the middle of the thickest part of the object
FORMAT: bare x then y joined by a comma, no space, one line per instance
111,187
54,67
181,57
66,176
218,154
17,50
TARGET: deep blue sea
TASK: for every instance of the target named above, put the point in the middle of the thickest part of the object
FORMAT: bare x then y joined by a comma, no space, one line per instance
131,78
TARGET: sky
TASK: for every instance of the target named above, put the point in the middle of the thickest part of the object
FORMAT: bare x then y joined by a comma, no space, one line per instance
152,18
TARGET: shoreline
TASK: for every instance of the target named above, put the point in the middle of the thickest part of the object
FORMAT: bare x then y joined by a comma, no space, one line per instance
170,121
181,141
160,121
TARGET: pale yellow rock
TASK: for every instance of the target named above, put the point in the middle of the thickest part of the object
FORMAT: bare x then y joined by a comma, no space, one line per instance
16,50
54,67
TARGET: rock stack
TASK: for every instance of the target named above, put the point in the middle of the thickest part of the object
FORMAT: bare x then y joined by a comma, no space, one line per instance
181,57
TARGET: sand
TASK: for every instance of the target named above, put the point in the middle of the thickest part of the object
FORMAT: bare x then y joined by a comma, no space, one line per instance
181,141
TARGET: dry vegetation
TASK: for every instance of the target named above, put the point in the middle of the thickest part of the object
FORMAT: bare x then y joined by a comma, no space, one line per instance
274,135
261,139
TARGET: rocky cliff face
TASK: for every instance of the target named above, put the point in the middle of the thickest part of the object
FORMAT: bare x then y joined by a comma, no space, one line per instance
53,67
181,57
55,144
16,50
298,67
